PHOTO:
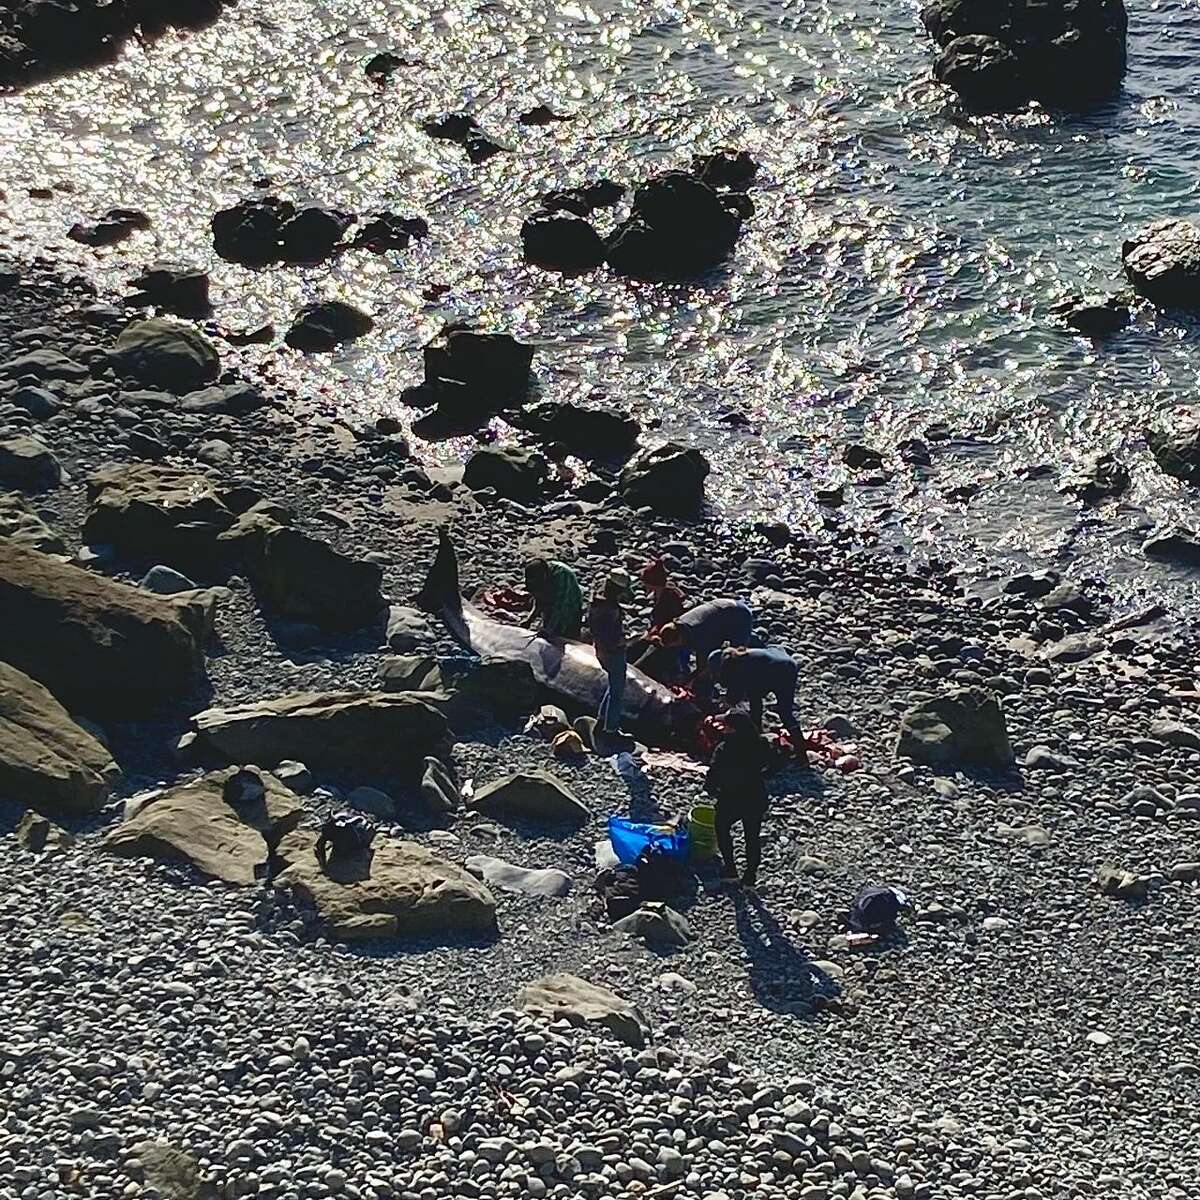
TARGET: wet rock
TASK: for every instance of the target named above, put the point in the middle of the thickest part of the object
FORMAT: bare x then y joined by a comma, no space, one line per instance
963,727
46,759
380,67
668,479
476,373
27,465
312,233
401,891
22,525
998,55
1032,584
862,458
251,231
541,114
464,131
561,241
587,432
568,998
322,327
511,878
1174,441
511,472
657,925
115,226
176,289
39,835
1095,316
1163,262
1176,544
732,169
585,199
100,646
678,227
304,578
1098,480
149,510
531,795
195,824
389,231
164,354
359,730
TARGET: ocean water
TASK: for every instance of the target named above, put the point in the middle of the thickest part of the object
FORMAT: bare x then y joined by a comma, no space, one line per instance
896,277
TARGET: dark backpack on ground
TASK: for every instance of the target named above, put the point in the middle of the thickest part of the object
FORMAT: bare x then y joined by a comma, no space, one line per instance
875,910
660,875
620,891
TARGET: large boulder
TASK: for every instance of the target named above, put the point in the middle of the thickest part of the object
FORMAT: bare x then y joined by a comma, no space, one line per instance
164,354
46,760
679,226
147,510
1068,53
482,372
27,465
321,327
366,731
668,479
509,471
587,432
401,890
98,645
1175,443
964,727
1163,262
531,795
565,997
561,241
251,231
305,579
194,824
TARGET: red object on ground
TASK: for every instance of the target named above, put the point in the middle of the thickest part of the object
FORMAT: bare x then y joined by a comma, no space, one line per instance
505,601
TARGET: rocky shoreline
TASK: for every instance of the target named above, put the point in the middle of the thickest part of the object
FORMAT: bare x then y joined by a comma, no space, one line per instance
1032,1034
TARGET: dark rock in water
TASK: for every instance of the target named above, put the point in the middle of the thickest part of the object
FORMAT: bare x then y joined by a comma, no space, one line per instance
1163,262
511,472
732,169
177,289
484,371
115,226
914,452
324,326
1177,545
389,231
586,432
561,241
312,234
100,646
382,66
862,458
263,335
1094,316
27,465
1175,443
542,115
1102,478
251,231
584,200
1033,584
668,479
678,227
464,131
984,72
161,353
998,54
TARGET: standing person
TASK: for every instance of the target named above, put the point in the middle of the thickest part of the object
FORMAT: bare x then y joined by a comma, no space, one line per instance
707,627
668,599
751,675
607,623
737,778
557,598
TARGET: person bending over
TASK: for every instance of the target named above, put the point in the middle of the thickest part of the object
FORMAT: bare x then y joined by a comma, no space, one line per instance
557,598
707,627
750,675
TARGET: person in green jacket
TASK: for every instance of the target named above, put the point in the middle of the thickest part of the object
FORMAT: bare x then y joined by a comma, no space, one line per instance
557,598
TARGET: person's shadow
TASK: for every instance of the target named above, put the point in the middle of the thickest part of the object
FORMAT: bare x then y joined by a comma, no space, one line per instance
782,976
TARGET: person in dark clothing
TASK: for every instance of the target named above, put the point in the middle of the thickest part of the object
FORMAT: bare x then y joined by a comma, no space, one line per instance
668,599
752,674
708,627
737,778
607,624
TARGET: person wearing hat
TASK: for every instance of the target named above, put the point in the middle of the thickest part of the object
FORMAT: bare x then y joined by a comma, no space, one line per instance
752,674
607,623
557,598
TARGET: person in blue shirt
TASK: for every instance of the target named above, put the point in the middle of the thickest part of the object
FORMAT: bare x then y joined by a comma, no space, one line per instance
707,627
750,675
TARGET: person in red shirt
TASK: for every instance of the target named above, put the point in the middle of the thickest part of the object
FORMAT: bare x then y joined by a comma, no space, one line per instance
668,599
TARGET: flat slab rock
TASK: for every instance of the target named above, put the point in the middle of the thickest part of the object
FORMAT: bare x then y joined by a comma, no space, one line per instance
567,997
534,795
193,824
399,889
527,881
